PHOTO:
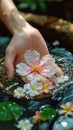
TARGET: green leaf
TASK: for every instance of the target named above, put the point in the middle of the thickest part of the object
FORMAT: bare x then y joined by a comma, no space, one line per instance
15,109
48,112
22,6
4,114
9,111
42,5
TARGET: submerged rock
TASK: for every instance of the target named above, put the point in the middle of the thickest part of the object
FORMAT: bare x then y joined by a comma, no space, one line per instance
63,123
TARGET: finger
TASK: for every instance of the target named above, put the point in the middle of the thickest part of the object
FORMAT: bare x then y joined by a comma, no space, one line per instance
53,79
9,62
40,44
59,72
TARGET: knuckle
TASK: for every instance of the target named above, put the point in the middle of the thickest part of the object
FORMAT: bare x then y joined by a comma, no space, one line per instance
35,33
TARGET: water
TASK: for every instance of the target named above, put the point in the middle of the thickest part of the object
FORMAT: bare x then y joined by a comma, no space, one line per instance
62,95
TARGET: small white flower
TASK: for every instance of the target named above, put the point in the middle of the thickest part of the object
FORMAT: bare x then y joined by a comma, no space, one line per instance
62,79
33,88
18,93
25,124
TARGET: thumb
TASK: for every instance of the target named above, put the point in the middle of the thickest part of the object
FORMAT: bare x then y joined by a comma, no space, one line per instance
9,62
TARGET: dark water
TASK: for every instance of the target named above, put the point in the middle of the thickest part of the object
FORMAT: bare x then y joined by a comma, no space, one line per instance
31,105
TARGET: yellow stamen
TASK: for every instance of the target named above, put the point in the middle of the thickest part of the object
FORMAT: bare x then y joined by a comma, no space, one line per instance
36,68
68,109
45,87
33,89
19,92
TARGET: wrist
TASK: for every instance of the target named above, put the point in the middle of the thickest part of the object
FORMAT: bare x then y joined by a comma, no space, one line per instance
16,22
11,16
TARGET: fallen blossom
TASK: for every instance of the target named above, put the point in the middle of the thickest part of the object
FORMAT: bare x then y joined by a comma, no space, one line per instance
24,124
35,88
18,93
35,66
37,117
62,79
66,109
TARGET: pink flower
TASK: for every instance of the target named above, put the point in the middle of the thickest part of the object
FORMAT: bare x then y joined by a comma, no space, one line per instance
35,67
38,117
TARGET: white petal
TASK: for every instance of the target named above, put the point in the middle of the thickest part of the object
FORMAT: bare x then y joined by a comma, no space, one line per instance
27,88
34,76
68,104
32,57
23,69
62,111
36,84
32,94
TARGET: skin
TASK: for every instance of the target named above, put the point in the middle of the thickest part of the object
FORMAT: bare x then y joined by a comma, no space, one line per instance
24,37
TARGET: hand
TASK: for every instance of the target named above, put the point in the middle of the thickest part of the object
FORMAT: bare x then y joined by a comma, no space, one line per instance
28,39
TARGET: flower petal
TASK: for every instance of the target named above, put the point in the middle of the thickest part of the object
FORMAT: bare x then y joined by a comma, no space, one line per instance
35,83
34,76
62,111
26,87
23,69
32,57
68,104
47,59
49,72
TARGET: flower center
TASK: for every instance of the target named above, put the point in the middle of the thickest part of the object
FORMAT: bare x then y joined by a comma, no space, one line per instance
33,89
36,68
45,87
68,109
19,92
25,125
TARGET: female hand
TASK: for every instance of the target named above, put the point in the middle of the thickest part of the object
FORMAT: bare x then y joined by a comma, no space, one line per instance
27,39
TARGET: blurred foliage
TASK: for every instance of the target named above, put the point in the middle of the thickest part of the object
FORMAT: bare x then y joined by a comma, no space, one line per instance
33,5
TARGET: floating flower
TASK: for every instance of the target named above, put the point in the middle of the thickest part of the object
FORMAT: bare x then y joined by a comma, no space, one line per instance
47,87
62,79
37,117
35,88
66,109
25,124
18,93
36,67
